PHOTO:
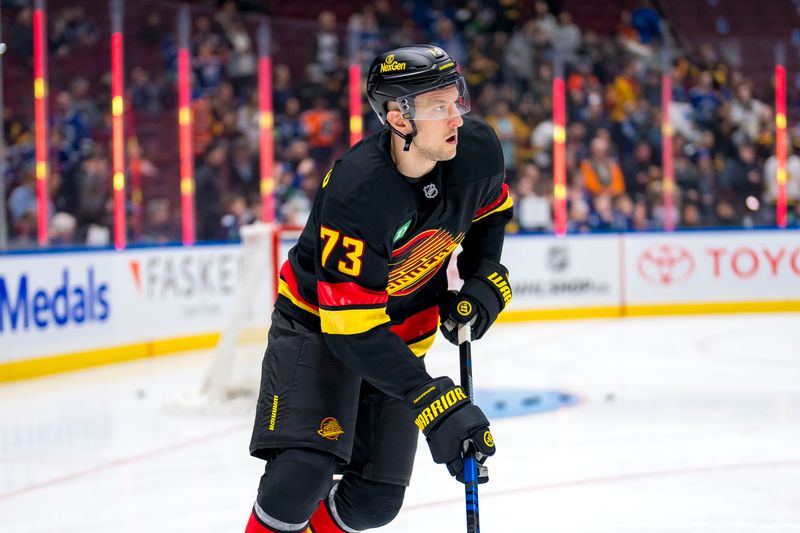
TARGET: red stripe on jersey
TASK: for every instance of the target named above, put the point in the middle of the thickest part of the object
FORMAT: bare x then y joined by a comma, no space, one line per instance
417,325
348,293
291,281
502,198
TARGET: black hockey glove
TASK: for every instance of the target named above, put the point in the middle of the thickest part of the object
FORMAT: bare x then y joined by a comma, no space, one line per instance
478,302
451,423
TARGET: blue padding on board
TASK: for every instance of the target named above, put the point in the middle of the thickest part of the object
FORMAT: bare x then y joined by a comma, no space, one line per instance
501,403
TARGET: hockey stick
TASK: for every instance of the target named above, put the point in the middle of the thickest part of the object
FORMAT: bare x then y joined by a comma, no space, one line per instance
470,463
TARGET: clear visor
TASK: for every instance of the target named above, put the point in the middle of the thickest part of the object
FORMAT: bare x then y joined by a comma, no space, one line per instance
448,101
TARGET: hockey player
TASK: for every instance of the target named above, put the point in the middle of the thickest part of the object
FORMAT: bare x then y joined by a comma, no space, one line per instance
344,387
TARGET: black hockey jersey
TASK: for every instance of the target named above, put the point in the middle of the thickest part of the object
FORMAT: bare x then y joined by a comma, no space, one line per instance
370,265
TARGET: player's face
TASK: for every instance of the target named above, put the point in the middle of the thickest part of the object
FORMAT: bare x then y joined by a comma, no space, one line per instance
437,138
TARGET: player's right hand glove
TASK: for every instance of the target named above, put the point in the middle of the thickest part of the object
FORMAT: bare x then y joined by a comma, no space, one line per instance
478,302
450,422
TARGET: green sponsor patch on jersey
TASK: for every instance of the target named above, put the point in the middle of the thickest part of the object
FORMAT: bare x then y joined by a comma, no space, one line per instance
401,231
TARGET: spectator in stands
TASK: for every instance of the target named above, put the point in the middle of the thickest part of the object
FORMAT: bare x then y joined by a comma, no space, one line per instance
326,49
209,176
159,226
145,94
746,114
236,215
545,20
152,31
94,188
281,86
742,176
623,94
578,218
602,216
242,61
288,125
519,57
202,124
601,174
640,170
629,38
726,215
22,205
297,201
566,38
62,229
690,216
511,131
623,213
85,103
705,101
248,121
209,67
368,39
445,37
223,103
73,125
243,169
641,217
792,180
21,41
323,125
531,203
647,22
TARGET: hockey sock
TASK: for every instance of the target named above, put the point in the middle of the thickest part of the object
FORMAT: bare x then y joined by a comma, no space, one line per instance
254,525
323,521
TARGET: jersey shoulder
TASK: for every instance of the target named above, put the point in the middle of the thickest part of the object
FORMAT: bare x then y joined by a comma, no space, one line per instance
361,190
479,153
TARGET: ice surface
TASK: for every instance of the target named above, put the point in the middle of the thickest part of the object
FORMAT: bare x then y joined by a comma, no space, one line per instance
688,424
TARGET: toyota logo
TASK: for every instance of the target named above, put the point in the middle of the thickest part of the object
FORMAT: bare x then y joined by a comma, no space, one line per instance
666,264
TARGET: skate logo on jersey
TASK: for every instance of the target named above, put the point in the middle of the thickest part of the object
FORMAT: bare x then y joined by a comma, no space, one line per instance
330,429
417,261
430,191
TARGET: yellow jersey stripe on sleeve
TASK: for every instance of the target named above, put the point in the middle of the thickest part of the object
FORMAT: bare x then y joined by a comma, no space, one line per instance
507,204
421,347
351,321
283,288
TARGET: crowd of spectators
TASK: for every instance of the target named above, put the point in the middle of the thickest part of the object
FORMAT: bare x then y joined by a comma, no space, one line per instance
724,132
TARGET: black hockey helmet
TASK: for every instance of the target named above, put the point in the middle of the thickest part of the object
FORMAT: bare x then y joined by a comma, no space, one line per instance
401,74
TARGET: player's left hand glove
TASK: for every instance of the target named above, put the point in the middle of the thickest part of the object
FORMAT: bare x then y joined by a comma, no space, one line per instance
451,425
478,302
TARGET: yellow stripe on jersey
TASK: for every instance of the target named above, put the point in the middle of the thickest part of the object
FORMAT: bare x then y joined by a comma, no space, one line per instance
351,321
502,207
283,288
421,347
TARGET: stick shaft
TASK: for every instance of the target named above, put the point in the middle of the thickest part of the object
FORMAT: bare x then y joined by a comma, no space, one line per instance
470,464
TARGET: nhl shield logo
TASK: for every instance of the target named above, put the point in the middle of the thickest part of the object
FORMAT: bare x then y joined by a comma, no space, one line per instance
430,190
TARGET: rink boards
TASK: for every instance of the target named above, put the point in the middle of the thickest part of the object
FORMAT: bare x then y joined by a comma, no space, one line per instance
65,310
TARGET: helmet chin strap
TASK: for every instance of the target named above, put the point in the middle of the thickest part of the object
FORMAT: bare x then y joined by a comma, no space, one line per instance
407,137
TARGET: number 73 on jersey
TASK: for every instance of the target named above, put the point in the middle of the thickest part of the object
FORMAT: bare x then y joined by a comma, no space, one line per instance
354,249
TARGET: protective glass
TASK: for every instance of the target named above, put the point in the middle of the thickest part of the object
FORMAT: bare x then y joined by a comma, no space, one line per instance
448,101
